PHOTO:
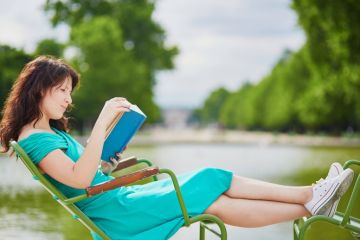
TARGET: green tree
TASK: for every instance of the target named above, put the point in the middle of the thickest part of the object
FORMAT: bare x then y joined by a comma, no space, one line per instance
140,52
286,83
238,110
50,47
209,112
332,48
12,61
108,69
316,88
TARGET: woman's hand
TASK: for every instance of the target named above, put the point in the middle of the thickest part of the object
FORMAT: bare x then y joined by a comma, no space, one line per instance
108,167
111,108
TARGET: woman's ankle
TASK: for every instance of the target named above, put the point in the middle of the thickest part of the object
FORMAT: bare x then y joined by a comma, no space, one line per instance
308,194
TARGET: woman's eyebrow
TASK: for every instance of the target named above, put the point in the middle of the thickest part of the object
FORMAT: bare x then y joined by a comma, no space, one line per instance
66,86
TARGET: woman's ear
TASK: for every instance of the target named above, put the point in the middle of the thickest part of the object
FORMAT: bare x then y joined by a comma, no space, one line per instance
43,92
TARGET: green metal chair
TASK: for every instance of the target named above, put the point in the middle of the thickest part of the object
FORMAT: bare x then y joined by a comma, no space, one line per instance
123,176
343,220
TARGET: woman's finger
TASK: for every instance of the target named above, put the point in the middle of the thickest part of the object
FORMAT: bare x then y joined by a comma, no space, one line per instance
125,105
114,162
123,101
123,109
119,99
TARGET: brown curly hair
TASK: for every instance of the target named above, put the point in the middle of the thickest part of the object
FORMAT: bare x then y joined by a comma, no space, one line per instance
22,105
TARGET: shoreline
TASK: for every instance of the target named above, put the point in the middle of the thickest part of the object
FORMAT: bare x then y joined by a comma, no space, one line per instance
216,136
199,136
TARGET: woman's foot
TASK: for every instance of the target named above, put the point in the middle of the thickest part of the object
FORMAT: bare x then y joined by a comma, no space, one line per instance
327,193
334,171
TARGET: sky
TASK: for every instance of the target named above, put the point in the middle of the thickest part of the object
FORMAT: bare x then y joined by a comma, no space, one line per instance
222,43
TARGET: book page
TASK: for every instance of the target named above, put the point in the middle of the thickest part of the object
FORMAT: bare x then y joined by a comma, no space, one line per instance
135,108
112,125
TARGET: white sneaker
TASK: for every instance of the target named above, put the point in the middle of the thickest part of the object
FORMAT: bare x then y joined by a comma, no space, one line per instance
335,169
327,192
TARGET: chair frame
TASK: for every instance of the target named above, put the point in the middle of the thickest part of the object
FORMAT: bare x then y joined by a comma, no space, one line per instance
343,220
150,171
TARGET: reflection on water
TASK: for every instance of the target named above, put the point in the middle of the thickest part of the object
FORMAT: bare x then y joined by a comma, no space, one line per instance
28,212
33,214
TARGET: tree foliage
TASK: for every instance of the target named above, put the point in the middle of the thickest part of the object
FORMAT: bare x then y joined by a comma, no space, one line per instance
333,47
120,48
50,47
12,61
108,69
210,111
316,88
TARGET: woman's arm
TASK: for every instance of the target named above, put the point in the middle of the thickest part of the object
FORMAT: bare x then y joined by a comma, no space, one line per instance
80,174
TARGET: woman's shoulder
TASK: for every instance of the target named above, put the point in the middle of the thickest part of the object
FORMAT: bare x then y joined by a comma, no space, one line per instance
37,143
27,132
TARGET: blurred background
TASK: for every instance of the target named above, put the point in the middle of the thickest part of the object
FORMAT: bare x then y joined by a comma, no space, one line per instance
265,88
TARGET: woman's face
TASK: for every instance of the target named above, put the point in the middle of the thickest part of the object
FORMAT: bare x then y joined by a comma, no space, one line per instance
57,99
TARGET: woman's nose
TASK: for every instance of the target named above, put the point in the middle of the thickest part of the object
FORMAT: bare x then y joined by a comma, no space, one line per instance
68,99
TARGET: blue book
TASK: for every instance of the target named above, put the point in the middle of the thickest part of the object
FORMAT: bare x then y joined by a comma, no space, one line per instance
121,130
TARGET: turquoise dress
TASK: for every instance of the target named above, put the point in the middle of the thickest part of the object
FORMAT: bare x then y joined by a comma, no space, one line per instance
149,211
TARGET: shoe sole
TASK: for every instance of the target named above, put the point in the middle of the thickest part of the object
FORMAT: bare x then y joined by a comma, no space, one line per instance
332,211
339,169
335,193
347,182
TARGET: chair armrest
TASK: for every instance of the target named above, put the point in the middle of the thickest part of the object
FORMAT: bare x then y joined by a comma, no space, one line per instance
351,162
122,181
126,162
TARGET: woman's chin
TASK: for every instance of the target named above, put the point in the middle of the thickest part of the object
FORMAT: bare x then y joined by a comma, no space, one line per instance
58,117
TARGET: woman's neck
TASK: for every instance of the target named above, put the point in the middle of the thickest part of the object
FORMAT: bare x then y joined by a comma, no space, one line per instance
42,124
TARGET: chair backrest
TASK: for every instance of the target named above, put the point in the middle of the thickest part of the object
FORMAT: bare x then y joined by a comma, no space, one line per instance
36,174
96,232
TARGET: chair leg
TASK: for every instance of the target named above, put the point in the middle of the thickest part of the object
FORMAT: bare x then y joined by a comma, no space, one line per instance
302,233
198,218
355,235
307,224
203,219
296,229
202,232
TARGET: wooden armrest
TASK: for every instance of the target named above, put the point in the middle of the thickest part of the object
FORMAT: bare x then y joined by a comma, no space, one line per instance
122,181
126,162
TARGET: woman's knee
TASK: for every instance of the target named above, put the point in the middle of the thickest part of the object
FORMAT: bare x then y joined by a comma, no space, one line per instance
217,205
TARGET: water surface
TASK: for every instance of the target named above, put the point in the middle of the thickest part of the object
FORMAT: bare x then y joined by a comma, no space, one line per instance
28,212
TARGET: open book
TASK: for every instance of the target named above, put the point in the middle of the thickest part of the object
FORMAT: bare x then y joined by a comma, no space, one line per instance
120,131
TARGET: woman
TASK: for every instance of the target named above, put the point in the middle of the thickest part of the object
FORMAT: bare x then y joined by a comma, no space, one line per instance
34,116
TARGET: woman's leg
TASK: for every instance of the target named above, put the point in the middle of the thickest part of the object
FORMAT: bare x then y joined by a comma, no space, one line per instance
247,188
254,213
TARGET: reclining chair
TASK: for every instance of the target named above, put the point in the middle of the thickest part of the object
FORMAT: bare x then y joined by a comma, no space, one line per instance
124,175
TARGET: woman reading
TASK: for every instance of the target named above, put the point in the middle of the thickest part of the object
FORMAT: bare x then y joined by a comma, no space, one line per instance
34,116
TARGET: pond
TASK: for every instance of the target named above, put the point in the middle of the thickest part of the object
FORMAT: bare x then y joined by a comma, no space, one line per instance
28,212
